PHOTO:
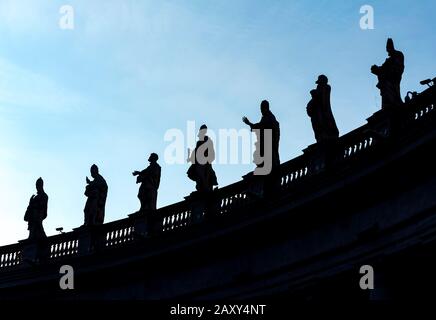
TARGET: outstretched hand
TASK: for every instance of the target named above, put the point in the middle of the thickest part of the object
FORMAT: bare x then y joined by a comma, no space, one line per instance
246,121
87,180
135,173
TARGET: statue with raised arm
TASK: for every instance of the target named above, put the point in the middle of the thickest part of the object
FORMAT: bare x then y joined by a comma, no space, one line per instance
149,179
389,76
266,141
201,159
36,212
96,191
320,112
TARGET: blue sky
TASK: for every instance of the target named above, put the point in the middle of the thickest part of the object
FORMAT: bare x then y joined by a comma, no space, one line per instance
107,91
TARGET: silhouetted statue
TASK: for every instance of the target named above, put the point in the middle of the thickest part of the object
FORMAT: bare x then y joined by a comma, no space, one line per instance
268,121
36,212
389,76
202,156
96,191
320,112
149,179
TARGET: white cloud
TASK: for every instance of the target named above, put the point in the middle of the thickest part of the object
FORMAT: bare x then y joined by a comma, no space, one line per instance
27,15
22,88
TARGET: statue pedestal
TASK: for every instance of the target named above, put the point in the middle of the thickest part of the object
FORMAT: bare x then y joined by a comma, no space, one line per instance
380,123
387,122
143,224
34,251
256,185
199,202
323,155
91,239
317,156
85,240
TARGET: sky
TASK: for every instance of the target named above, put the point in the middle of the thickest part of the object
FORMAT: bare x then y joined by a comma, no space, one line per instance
108,90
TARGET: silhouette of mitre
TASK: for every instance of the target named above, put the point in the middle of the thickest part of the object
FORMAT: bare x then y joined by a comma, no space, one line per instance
390,43
40,181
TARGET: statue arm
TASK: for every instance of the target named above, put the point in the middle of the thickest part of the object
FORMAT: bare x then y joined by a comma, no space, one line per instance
375,70
258,125
44,209
158,178
309,109
246,121
39,207
143,173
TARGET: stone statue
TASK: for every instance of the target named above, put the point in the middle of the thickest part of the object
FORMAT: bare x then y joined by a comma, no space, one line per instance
267,122
389,76
96,191
320,112
149,179
36,212
202,156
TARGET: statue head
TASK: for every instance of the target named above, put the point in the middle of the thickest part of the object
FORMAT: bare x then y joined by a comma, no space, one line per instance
390,48
264,107
39,185
153,157
322,79
94,171
202,132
